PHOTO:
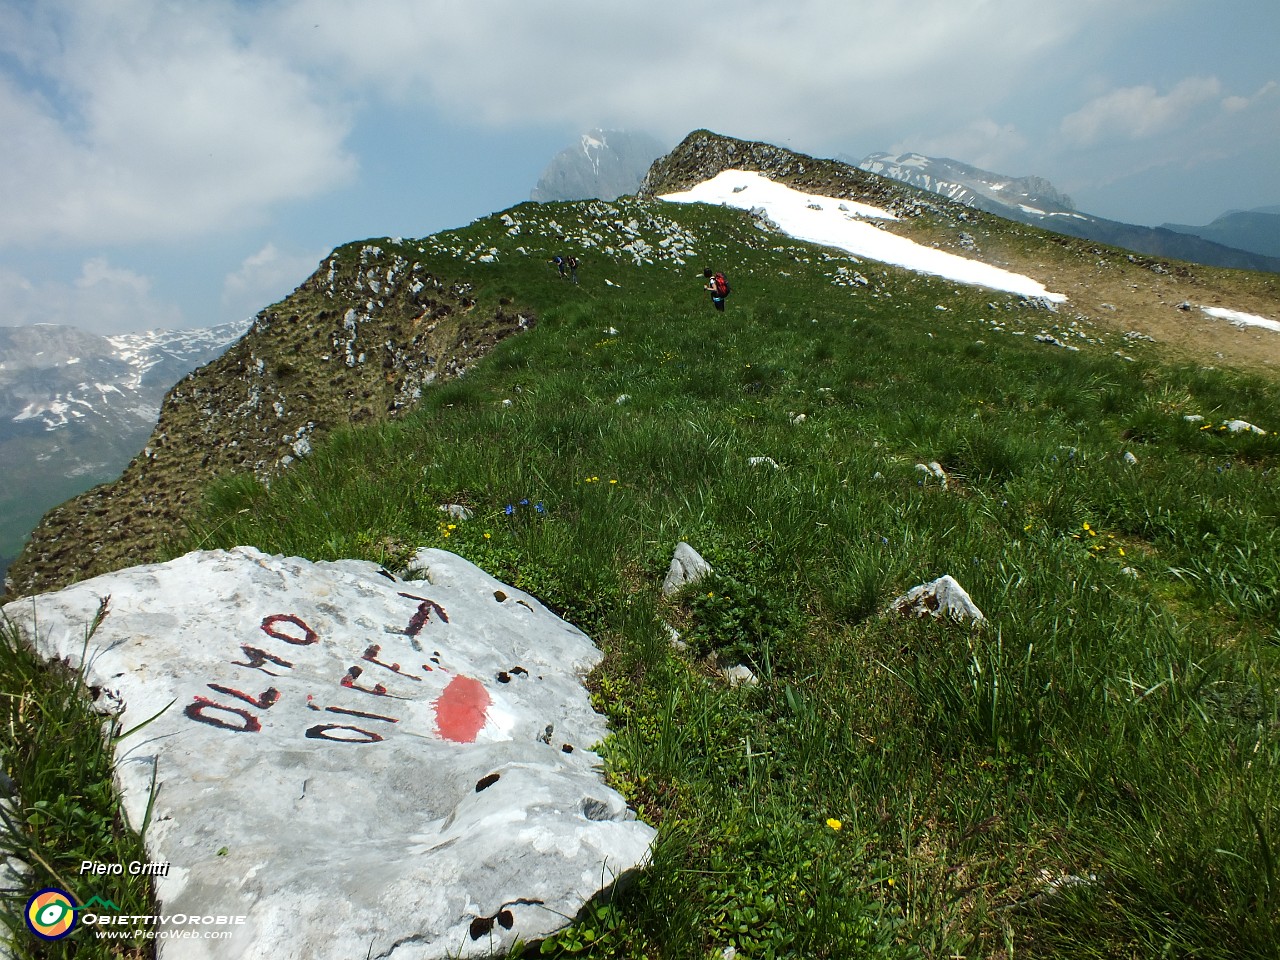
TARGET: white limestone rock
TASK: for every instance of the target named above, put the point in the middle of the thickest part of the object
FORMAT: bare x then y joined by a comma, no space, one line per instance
739,676
1243,426
943,597
358,765
687,567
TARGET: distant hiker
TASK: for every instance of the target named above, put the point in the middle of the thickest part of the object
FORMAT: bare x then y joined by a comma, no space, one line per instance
560,265
719,287
572,261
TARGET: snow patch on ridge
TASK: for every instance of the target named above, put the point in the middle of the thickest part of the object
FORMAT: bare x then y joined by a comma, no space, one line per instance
843,224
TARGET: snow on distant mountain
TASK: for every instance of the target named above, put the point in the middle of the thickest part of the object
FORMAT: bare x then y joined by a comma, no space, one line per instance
974,187
1036,201
76,407
52,376
603,164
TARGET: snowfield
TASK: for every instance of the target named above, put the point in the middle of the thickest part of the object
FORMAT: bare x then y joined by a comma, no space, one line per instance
1239,319
844,224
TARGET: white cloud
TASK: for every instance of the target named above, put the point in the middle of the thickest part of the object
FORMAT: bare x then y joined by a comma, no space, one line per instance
1236,104
264,278
813,70
1138,113
102,299
139,121
98,273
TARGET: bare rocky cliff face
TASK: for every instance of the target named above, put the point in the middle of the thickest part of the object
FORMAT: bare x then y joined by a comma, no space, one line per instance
355,344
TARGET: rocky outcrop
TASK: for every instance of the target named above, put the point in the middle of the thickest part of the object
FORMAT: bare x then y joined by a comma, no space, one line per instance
339,763
703,154
355,344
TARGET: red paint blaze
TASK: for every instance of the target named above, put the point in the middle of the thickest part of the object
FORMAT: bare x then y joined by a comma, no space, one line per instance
461,710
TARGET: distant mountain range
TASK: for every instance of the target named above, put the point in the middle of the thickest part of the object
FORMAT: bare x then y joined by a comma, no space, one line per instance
76,407
603,164
1255,230
1245,241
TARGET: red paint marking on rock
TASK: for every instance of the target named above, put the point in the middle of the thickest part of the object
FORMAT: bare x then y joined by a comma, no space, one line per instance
462,709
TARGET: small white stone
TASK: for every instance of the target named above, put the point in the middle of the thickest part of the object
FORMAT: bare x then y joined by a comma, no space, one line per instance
1241,426
943,597
739,676
687,566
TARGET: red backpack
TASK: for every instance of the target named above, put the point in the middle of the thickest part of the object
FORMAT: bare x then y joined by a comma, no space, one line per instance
722,284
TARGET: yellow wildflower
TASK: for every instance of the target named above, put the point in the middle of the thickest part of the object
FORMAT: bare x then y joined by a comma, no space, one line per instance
834,824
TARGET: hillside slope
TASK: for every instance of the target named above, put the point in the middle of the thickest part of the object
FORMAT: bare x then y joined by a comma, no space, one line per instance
1109,287
377,321
1087,771
354,344
1255,230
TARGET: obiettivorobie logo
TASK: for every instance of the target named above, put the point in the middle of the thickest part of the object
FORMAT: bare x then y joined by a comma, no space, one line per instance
51,914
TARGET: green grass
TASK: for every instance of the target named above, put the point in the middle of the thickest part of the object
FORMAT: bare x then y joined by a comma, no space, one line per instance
1116,720
67,811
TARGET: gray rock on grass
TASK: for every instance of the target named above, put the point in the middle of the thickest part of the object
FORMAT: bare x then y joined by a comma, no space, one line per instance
687,567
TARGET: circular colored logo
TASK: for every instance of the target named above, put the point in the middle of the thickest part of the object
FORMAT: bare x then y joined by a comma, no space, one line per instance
51,914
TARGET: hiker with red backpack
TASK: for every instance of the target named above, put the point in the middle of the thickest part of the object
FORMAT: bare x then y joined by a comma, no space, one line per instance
718,286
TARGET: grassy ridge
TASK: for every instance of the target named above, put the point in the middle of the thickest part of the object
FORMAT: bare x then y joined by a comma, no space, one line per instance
1091,773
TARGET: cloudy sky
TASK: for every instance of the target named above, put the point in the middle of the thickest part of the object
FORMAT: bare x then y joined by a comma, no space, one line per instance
186,162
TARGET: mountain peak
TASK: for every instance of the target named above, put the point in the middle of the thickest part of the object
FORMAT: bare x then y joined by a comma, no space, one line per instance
602,165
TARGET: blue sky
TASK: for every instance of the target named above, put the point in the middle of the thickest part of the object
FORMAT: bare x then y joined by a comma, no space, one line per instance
187,162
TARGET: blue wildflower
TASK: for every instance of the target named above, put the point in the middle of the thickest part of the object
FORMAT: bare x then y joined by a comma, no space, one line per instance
510,510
